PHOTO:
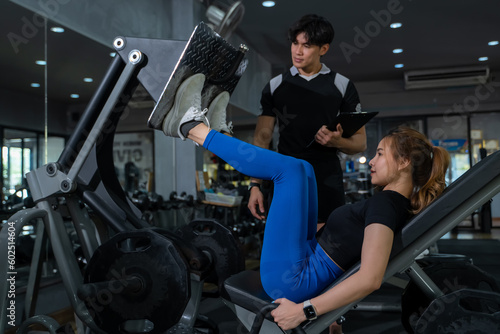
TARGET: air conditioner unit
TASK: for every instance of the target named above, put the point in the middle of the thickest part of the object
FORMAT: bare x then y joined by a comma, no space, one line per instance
447,77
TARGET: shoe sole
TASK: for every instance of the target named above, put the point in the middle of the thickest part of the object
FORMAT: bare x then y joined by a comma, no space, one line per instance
208,53
174,112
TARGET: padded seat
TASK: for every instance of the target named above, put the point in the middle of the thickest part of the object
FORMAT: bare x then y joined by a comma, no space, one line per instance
245,289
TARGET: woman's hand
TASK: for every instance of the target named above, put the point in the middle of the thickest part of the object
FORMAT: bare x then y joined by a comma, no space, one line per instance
288,315
256,203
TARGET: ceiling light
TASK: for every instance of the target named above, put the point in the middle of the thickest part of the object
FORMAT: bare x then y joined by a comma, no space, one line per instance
492,43
483,58
399,65
397,51
41,62
268,4
88,79
224,18
57,29
35,84
74,96
396,25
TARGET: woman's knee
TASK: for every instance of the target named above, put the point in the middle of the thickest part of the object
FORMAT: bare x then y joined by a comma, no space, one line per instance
294,165
308,168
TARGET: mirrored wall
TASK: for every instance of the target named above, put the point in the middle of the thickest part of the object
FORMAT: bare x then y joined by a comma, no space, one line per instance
23,151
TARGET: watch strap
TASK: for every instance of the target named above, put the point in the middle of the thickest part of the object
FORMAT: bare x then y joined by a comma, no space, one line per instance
253,184
309,310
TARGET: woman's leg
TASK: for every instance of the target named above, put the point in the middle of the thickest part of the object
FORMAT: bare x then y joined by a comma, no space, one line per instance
292,263
290,266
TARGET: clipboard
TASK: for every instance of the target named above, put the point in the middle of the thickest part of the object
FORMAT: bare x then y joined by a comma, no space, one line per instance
350,122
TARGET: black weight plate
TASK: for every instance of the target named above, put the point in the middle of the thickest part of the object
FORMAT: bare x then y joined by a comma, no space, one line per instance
213,237
157,263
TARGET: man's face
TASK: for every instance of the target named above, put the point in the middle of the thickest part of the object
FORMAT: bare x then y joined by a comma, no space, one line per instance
305,56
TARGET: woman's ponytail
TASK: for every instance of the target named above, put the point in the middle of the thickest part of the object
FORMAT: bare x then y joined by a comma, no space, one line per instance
428,163
436,182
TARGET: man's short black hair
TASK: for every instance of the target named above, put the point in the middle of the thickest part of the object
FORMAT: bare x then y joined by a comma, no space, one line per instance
318,30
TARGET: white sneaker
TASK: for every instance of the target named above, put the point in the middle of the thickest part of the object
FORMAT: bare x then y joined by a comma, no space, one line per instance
187,106
217,113
193,114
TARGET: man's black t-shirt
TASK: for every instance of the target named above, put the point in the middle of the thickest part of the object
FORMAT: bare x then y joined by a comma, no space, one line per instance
302,105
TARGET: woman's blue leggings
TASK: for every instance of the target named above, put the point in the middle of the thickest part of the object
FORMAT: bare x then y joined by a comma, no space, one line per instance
292,263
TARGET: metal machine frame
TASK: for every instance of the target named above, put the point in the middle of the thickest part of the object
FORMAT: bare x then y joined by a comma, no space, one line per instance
84,177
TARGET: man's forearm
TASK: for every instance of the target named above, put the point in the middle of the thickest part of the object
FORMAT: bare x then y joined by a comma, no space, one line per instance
263,135
355,144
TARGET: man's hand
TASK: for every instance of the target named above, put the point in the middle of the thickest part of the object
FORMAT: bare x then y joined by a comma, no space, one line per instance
256,203
329,138
352,145
288,315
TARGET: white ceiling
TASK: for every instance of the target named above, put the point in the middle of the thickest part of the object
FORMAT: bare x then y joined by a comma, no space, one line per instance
435,34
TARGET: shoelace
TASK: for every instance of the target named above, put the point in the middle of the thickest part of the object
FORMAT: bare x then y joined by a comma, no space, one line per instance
230,126
227,127
201,115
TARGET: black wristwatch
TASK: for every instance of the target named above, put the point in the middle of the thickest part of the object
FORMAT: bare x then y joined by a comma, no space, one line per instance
253,184
309,310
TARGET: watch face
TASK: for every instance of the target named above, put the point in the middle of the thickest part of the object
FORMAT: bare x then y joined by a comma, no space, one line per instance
309,312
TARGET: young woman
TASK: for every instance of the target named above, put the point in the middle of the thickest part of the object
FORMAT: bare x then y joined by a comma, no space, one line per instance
297,263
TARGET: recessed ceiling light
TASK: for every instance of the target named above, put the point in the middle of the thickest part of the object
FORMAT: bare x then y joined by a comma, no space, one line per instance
397,51
396,25
268,3
483,58
35,84
74,96
57,29
491,43
41,62
88,79
399,65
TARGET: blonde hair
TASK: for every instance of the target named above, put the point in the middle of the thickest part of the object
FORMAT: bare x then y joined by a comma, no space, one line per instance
429,164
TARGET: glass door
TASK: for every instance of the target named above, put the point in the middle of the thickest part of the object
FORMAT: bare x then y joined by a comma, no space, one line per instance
19,156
